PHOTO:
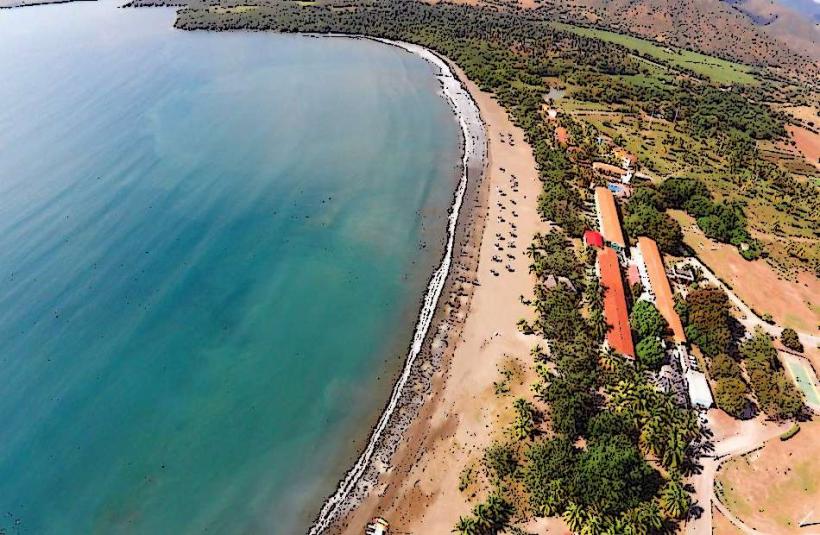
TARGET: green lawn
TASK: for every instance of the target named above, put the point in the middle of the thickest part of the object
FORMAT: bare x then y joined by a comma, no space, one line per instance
718,70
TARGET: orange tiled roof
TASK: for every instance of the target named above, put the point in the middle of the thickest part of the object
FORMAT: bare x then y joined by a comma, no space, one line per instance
608,216
608,168
561,135
660,286
619,335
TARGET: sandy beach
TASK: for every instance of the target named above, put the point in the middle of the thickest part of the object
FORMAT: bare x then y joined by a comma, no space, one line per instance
473,336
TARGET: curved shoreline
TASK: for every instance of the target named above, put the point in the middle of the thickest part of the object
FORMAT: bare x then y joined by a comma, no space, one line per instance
386,434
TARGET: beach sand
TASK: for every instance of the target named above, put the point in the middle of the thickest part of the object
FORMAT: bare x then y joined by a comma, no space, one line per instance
417,491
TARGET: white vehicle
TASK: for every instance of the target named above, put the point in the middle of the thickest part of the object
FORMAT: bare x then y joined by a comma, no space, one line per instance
378,526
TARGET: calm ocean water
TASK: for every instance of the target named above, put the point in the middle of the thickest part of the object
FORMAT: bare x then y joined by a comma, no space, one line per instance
212,251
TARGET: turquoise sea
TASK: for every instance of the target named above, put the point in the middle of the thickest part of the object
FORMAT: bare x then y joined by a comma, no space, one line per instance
212,251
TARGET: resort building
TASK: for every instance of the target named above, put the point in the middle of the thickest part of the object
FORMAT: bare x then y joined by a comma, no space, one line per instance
608,169
561,136
628,159
697,387
378,526
608,220
619,336
700,395
656,282
593,239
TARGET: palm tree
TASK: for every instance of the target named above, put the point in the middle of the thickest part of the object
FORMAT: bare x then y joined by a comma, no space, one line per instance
675,450
598,323
619,526
592,526
594,294
609,360
652,436
483,517
525,419
649,516
466,526
500,513
675,501
574,516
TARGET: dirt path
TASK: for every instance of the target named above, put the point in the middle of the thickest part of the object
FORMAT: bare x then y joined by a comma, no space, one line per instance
731,438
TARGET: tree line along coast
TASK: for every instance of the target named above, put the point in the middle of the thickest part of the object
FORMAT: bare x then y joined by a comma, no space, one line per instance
603,440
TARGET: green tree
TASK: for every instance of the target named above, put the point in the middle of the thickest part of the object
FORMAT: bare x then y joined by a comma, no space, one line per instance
730,395
607,424
526,418
724,366
575,517
790,340
613,476
650,353
645,220
676,191
570,406
708,320
675,502
548,475
775,393
646,321
558,313
501,460
467,526
698,206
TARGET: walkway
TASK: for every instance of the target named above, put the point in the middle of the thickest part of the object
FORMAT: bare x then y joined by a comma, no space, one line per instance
751,434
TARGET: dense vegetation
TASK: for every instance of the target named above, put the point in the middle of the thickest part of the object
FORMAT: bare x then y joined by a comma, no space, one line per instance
709,325
629,428
645,216
790,340
650,328
624,421
719,221
707,320
776,394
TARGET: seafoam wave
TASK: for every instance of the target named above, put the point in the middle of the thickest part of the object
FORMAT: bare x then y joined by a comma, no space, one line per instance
472,129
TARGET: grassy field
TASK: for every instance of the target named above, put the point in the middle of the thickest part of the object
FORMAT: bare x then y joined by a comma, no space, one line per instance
773,489
718,70
757,283
721,525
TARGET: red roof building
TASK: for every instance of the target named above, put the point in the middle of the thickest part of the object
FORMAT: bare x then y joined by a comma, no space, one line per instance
660,287
619,336
561,136
593,239
608,218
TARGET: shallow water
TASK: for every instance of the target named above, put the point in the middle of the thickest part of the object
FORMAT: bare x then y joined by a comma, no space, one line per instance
213,251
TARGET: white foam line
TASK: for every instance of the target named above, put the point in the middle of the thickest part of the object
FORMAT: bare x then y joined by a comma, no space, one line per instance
472,129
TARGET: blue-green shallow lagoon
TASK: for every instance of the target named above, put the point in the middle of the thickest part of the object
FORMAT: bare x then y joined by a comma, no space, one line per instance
212,251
